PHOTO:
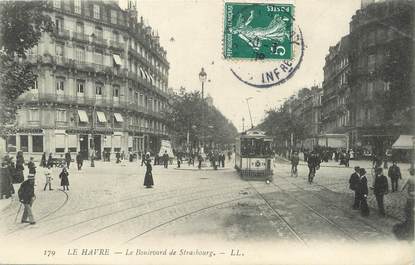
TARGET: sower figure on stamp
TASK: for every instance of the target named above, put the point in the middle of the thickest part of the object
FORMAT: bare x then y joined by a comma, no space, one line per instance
148,178
380,188
354,185
27,197
395,174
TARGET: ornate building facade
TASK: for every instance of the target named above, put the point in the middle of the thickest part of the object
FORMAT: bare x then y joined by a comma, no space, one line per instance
102,84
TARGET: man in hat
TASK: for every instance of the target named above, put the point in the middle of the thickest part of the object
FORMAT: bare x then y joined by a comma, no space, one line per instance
395,174
27,197
380,188
353,185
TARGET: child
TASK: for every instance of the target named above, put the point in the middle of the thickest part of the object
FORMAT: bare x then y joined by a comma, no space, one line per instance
48,178
64,178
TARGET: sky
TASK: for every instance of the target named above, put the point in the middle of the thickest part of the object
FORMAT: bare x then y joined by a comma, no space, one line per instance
197,29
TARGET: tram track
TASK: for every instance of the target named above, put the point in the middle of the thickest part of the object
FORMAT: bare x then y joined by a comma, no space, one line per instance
181,217
127,199
125,220
45,216
326,219
134,207
332,204
280,217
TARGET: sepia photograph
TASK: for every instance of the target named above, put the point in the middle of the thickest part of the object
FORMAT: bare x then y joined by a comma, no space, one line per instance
207,132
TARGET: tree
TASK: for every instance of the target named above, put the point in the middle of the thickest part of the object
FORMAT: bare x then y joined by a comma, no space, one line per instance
185,117
21,26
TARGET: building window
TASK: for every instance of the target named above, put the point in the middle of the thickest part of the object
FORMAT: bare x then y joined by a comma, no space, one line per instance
59,48
80,54
99,57
371,61
24,143
61,115
116,91
78,6
96,12
113,16
80,86
37,143
59,24
60,85
79,27
98,89
34,115
99,33
57,3
136,97
11,143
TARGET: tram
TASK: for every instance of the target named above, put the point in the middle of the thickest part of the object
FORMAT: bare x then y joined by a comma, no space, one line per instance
253,156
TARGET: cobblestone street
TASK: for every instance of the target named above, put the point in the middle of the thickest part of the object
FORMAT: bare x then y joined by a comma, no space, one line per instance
108,202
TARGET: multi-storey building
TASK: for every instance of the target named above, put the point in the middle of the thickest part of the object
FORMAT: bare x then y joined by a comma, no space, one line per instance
336,110
102,83
381,58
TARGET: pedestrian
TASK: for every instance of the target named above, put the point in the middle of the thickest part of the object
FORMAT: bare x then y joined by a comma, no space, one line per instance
179,160
380,188
122,155
43,160
143,159
32,168
130,156
79,160
92,157
313,162
200,159
117,156
405,229
363,192
148,178
50,161
27,197
395,174
295,159
19,167
6,180
354,185
64,178
223,159
48,176
166,159
68,159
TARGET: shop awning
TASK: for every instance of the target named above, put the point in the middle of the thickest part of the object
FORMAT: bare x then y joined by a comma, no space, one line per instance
83,117
404,142
147,76
143,75
117,59
101,116
118,117
151,78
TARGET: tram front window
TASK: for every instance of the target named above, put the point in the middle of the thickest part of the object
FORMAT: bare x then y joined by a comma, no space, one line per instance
255,148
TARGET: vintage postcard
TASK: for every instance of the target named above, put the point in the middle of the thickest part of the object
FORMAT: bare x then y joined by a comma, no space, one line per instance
207,132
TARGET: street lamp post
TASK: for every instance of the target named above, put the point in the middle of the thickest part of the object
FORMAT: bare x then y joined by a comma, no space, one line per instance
202,78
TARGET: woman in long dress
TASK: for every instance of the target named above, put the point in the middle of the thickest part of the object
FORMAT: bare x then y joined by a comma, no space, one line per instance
64,178
148,178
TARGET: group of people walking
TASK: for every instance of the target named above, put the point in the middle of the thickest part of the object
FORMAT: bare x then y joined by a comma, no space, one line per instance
359,184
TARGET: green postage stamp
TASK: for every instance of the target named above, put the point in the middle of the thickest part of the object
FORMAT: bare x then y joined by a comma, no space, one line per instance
258,31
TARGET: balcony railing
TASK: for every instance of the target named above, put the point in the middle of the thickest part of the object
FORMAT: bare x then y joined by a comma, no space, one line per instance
99,41
63,33
80,37
116,44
